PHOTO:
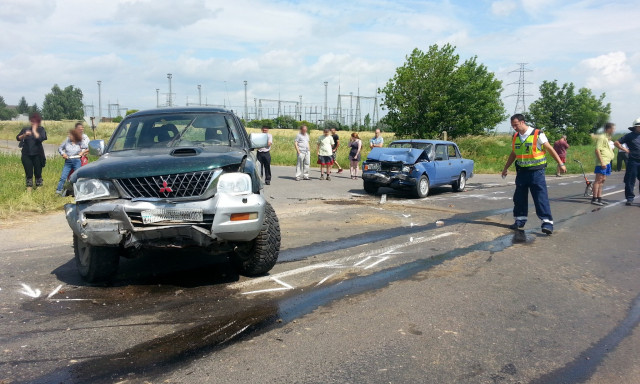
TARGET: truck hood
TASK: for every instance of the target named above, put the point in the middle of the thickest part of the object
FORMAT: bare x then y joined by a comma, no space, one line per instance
157,162
405,155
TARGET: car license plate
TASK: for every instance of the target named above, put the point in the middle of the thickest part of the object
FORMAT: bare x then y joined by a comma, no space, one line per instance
180,215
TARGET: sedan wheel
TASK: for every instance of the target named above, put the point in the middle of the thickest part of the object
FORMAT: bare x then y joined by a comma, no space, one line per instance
460,184
422,187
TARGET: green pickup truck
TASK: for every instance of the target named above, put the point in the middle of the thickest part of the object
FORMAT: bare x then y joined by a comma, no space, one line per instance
173,178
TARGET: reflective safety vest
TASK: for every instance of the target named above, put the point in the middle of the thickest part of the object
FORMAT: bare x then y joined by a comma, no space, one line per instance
529,155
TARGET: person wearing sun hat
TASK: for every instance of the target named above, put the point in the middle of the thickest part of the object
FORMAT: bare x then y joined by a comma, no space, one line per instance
632,141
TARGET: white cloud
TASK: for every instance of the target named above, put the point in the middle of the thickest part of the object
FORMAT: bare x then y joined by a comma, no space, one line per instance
164,14
17,11
503,7
291,47
604,71
534,7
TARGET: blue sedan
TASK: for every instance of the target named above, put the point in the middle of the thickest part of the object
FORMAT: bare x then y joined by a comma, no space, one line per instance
416,165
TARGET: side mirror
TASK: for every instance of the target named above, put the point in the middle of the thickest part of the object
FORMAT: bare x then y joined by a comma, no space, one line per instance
96,147
258,140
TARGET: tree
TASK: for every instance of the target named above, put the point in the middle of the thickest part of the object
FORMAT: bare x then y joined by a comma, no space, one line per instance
562,111
367,122
285,122
63,104
34,109
131,111
432,92
5,112
23,106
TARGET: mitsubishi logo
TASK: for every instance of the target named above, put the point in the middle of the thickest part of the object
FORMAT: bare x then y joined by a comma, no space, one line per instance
165,187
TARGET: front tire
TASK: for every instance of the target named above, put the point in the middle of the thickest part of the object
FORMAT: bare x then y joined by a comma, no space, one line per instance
95,264
422,187
370,187
264,252
460,184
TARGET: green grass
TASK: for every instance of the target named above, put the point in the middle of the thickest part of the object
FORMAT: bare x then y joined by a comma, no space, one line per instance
16,201
489,152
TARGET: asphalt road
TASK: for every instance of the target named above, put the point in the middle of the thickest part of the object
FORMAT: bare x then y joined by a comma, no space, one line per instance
435,290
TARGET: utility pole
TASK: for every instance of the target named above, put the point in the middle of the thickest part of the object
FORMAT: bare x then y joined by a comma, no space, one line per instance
246,105
326,106
521,106
157,97
99,101
169,100
199,94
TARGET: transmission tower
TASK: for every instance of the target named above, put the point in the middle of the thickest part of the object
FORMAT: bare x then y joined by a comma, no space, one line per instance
521,106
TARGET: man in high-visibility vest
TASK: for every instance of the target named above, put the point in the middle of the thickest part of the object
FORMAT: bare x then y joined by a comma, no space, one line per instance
529,149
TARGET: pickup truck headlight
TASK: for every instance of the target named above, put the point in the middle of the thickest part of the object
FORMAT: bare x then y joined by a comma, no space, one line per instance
235,183
94,189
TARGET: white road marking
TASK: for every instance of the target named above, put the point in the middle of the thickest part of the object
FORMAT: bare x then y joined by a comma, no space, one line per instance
281,275
266,290
336,263
58,288
282,283
220,329
362,261
613,193
325,279
57,300
235,334
377,262
27,290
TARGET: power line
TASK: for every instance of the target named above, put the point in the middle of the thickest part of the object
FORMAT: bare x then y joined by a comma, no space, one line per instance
521,106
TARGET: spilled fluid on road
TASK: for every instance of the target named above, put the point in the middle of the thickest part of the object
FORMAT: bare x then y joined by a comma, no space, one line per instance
169,352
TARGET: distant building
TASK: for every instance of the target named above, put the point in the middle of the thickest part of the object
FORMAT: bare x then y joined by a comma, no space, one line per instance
21,117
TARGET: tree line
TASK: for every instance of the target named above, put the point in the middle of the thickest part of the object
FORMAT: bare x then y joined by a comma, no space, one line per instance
59,104
434,92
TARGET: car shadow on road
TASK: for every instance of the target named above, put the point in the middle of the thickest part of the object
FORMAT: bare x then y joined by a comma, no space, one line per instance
180,268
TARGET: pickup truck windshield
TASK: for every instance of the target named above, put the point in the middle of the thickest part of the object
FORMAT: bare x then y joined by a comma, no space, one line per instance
425,146
179,130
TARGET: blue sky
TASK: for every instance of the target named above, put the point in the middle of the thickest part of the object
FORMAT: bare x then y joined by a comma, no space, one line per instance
289,48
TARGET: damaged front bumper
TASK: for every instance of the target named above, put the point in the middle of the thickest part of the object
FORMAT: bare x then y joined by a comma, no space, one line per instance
118,222
396,180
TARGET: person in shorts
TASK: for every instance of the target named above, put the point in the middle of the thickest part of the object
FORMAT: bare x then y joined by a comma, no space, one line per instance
604,156
561,147
325,152
334,155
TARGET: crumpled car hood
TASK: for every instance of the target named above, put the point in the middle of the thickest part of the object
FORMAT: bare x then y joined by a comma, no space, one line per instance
406,155
156,162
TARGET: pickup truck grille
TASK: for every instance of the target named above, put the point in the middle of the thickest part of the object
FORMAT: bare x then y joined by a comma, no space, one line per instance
168,186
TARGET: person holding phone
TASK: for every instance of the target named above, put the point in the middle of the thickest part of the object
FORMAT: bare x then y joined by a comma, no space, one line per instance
33,157
71,150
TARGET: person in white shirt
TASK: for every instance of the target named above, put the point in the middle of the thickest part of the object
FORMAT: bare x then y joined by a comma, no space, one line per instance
622,157
264,157
304,155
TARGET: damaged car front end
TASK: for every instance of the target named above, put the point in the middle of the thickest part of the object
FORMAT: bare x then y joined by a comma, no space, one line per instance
205,193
